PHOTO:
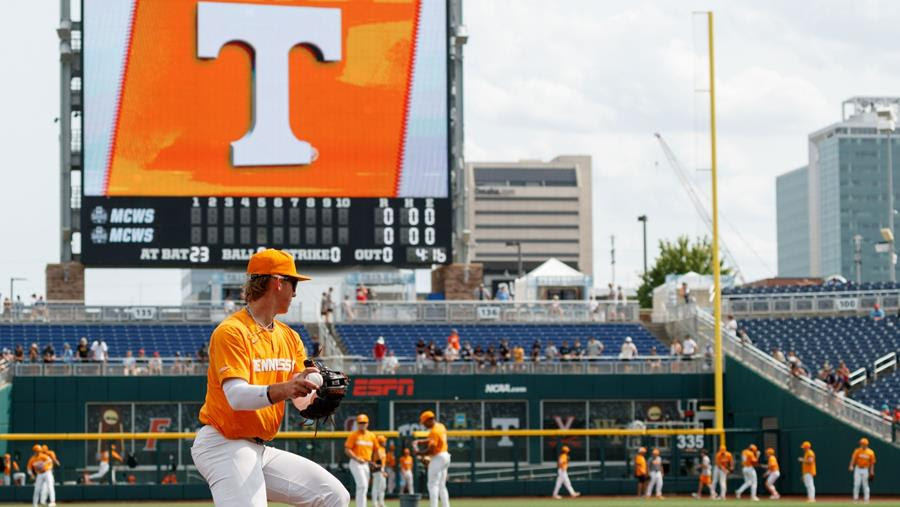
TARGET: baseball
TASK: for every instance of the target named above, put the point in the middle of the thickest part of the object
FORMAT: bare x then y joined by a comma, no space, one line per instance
315,378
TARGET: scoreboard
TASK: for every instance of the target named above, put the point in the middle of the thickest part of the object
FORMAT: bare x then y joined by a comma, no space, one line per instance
226,231
213,129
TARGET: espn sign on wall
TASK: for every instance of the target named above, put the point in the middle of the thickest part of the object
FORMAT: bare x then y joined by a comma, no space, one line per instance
329,98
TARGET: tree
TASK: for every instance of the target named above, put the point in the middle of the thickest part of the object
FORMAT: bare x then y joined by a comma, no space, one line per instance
678,257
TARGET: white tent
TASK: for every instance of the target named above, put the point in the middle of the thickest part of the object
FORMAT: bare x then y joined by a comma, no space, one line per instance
552,273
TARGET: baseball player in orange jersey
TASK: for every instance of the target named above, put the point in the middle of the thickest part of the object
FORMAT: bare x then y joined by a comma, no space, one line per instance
255,364
640,470
749,461
656,475
360,446
808,468
562,474
104,466
50,483
39,466
439,464
773,472
862,464
390,465
379,475
724,466
9,468
406,472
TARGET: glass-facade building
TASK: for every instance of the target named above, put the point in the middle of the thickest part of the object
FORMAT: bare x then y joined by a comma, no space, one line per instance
846,196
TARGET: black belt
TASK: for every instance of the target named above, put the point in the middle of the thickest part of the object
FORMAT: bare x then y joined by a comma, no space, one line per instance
258,441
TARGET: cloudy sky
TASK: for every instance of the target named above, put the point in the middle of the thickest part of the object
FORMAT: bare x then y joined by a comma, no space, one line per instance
544,79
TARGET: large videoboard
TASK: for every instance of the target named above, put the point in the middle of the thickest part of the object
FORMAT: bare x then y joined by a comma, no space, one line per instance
214,129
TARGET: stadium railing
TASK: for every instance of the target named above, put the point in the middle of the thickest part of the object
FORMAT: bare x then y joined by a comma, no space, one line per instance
813,391
812,303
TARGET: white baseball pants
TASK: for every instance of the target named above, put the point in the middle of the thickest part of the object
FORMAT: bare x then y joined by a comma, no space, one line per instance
379,484
860,477
361,475
40,489
750,481
49,487
562,479
101,471
406,478
391,480
720,480
772,477
242,473
656,481
437,479
810,486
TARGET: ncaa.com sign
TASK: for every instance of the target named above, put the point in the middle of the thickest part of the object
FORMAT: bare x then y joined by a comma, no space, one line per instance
504,389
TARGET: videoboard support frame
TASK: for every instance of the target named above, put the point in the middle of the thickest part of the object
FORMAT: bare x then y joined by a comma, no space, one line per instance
458,36
66,54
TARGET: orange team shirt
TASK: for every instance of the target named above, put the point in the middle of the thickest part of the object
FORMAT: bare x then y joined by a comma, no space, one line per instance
104,456
863,458
406,462
773,464
9,465
362,443
809,462
724,459
51,454
563,462
640,465
379,455
239,348
748,458
437,439
40,463
390,460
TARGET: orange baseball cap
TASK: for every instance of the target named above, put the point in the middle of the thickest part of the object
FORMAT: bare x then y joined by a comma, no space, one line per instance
723,448
382,439
770,451
426,415
753,447
656,452
565,448
45,448
274,262
863,441
36,448
642,450
362,418
805,445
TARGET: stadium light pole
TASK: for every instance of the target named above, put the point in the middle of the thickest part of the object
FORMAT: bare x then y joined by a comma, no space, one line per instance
717,274
518,245
643,220
12,283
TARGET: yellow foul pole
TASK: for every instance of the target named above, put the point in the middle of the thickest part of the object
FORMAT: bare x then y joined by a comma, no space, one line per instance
717,275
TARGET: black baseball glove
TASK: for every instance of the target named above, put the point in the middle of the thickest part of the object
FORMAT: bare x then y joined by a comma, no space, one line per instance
329,395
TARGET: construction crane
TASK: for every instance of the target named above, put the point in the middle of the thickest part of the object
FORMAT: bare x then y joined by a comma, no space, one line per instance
694,194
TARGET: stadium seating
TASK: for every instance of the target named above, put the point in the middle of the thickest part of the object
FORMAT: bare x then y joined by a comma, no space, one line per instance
164,338
857,341
810,289
359,338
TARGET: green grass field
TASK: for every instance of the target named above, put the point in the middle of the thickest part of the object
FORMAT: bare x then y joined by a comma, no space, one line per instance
547,502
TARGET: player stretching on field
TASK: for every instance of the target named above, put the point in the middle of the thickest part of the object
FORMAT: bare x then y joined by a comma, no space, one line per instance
705,476
406,474
808,468
255,364
562,474
749,461
656,475
724,466
360,446
104,466
379,475
39,467
862,464
640,470
772,473
440,459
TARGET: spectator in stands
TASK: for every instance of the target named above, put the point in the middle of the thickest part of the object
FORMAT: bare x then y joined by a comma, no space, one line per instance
731,324
708,356
229,306
347,313
655,361
491,358
129,364
99,351
329,306
391,363
877,313
19,354
479,356
82,350
33,353
611,296
897,414
745,338
577,350
688,348
502,293
8,356
421,354
536,351
49,353
450,354
315,347
629,350
778,355
466,352
141,362
565,352
362,293
188,364
594,348
68,355
843,373
886,413
555,307
323,308
453,339
550,351
825,372
518,354
675,349
378,352
177,364
435,353
481,293
685,293
155,366
504,353
38,308
7,309
203,353
621,303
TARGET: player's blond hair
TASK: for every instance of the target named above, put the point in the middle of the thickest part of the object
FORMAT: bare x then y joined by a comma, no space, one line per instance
255,287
